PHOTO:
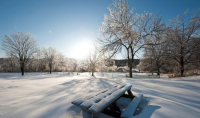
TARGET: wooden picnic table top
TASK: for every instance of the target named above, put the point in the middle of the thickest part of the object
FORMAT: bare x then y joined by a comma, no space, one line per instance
100,100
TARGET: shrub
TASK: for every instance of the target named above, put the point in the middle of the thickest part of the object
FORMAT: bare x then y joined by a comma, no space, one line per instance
170,75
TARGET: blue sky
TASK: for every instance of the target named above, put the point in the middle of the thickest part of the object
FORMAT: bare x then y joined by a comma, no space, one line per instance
70,25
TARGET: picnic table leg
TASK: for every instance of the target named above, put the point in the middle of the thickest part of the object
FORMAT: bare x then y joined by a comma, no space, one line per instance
86,114
116,108
130,94
113,111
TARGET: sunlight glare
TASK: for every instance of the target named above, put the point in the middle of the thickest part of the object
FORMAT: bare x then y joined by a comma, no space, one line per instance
82,49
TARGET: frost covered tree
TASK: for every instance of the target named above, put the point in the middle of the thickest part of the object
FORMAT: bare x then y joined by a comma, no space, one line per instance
103,66
40,61
156,52
184,31
74,64
12,62
92,60
195,59
123,29
20,45
60,62
49,56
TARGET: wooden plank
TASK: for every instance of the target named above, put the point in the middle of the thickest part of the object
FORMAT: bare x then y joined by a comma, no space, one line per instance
130,94
130,110
116,108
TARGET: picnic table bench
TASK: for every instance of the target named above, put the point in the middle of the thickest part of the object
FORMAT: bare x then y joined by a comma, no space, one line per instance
104,101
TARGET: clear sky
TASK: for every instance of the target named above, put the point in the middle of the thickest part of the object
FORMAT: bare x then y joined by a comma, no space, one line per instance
70,25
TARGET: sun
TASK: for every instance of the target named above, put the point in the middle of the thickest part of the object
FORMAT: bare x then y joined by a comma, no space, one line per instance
82,49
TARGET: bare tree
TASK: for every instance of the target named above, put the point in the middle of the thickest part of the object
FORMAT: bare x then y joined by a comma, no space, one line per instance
50,55
93,59
60,62
81,66
74,64
145,64
156,51
182,33
125,30
40,61
22,46
12,62
195,59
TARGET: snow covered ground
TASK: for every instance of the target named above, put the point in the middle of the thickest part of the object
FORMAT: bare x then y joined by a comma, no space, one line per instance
41,95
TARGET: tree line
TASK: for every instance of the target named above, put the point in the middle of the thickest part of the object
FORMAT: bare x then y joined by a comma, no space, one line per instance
177,48
24,55
173,47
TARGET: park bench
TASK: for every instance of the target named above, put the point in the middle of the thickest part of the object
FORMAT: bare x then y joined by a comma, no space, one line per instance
104,101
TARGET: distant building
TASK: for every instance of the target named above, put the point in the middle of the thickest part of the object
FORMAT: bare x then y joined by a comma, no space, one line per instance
1,60
124,62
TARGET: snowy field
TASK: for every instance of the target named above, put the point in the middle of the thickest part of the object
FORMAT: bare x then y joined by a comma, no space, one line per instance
41,95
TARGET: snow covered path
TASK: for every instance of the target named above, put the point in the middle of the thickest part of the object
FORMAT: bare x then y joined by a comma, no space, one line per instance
41,95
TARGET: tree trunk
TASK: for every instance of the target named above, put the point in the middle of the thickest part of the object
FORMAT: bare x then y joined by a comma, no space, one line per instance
22,66
93,68
130,71
158,73
22,70
132,62
92,73
129,64
158,67
182,66
50,70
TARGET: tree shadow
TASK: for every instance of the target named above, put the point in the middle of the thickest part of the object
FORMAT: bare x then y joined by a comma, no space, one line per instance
35,75
105,84
76,112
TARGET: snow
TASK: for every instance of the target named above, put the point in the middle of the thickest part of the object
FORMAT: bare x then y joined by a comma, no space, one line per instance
41,95
100,100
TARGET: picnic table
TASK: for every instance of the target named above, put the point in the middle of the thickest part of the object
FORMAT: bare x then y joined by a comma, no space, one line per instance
104,101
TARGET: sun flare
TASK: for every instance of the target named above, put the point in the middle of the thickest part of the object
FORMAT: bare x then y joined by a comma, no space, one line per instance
82,49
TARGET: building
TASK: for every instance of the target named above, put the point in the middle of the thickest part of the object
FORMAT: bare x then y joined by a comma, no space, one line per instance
124,62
